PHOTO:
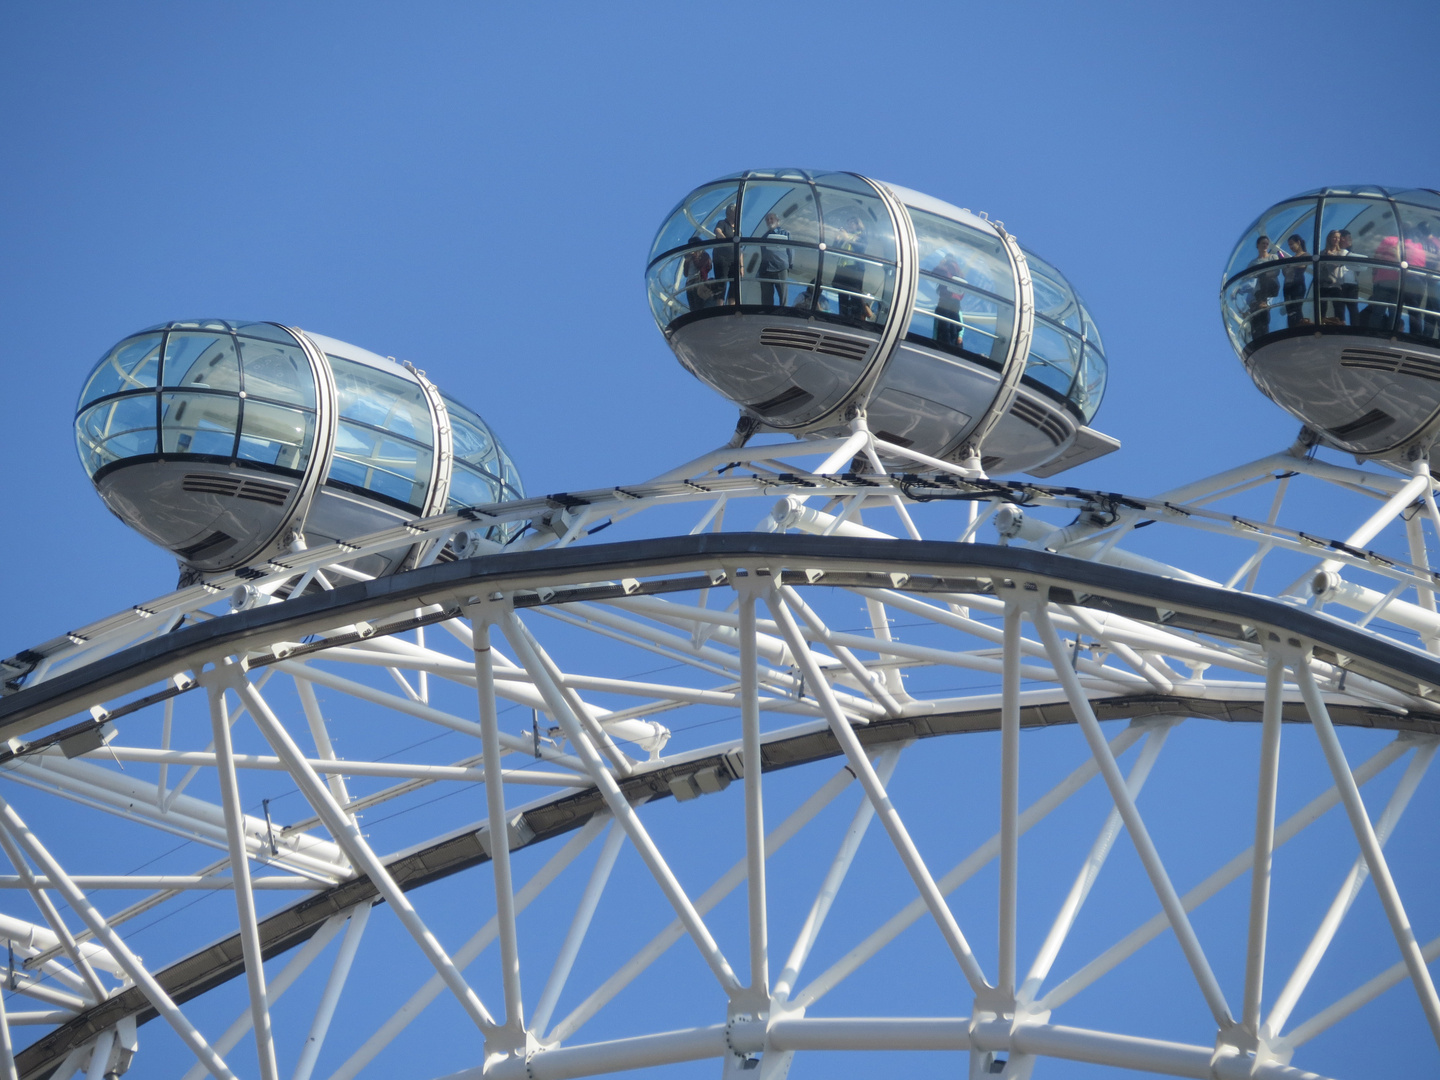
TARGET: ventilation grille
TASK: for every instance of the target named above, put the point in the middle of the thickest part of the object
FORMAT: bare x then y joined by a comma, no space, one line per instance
236,488
1038,417
847,348
786,401
1363,426
1395,363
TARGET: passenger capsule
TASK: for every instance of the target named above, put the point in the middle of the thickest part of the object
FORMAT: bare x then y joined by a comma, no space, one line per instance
227,442
1332,300
806,297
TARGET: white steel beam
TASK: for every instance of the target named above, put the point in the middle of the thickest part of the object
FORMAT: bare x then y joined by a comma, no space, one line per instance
1264,846
325,1011
142,978
386,1033
296,967
579,925
754,798
1369,845
1009,794
621,809
348,836
875,792
834,877
216,682
722,888
498,826
1349,889
962,872
52,916
1134,824
1152,928
1094,862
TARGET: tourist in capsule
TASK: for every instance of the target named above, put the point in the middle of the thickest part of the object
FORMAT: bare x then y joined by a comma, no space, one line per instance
1332,281
775,264
1294,273
948,328
696,268
725,291
1350,281
1264,288
1384,285
849,277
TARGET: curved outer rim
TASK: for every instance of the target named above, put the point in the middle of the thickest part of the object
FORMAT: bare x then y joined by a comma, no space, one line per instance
946,566
316,469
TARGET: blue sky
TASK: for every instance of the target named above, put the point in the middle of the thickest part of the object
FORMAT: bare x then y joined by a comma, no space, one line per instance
474,188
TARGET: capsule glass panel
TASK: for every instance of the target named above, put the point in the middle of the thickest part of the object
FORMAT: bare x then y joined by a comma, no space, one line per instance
697,217
114,430
385,436
202,361
134,364
199,424
1265,240
278,373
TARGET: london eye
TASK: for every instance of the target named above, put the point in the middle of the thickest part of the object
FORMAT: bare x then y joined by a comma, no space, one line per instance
815,748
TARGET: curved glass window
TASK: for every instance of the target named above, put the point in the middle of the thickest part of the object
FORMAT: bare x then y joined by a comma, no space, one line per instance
1066,359
964,285
483,471
384,437
134,364
778,239
1357,259
207,388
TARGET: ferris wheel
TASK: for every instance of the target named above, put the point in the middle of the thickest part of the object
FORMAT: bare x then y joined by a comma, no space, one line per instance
824,752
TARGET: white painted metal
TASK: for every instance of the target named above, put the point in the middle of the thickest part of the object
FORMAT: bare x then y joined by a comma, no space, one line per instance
806,673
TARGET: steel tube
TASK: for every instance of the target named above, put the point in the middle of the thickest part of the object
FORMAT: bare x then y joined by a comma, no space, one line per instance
1369,845
235,831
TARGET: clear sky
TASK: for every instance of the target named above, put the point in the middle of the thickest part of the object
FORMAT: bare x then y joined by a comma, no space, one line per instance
474,188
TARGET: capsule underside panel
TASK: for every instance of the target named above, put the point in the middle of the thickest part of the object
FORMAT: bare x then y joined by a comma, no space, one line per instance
790,372
1366,396
206,514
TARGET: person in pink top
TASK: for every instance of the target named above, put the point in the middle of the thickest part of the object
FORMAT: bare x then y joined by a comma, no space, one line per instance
1384,284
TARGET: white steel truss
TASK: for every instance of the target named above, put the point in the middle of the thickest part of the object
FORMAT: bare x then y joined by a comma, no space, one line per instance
618,690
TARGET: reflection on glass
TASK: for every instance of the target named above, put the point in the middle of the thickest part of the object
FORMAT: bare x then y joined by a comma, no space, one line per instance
1054,357
793,207
1054,299
119,428
131,365
395,468
276,435
856,288
277,372
381,400
1274,226
968,323
857,223
198,424
1090,386
1421,305
202,360
695,218
471,487
981,259
1362,225
776,275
